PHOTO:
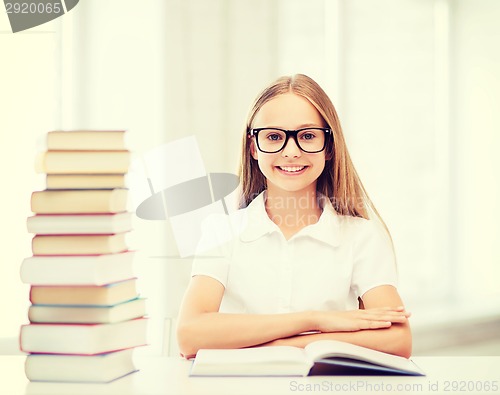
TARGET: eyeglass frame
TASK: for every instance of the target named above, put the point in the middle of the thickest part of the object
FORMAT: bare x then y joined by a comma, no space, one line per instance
254,133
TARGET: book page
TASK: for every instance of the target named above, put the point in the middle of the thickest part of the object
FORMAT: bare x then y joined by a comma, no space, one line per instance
332,348
260,361
279,354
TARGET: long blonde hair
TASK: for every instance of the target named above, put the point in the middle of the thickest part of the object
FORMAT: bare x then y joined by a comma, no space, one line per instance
339,180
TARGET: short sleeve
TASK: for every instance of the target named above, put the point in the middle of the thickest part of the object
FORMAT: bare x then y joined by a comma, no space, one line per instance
374,263
214,249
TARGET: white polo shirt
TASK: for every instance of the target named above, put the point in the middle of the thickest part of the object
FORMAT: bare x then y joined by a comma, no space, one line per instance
325,266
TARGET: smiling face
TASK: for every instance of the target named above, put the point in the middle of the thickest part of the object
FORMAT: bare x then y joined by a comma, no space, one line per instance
291,169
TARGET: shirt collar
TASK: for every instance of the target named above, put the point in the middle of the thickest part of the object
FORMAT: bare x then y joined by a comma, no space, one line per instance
258,223
256,220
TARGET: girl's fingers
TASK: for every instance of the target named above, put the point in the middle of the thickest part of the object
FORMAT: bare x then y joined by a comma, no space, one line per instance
385,316
396,309
355,320
375,324
388,311
379,324
397,319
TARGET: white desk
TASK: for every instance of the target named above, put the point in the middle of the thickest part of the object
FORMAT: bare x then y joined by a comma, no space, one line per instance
164,375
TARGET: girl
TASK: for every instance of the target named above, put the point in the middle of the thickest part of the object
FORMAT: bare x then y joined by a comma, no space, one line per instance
301,260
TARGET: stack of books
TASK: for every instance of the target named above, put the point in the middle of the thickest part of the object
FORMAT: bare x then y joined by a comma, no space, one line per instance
86,315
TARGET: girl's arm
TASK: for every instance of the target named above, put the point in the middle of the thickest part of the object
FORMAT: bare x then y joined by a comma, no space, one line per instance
394,340
202,326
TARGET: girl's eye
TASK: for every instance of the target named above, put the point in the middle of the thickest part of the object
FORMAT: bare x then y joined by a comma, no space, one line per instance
274,137
308,136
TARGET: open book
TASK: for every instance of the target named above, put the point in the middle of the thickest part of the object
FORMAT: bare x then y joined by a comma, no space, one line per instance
323,357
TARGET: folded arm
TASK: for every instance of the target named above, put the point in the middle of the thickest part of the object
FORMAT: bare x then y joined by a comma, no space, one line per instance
395,339
202,326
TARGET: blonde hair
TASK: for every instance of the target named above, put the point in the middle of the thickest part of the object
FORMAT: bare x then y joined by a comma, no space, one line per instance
339,180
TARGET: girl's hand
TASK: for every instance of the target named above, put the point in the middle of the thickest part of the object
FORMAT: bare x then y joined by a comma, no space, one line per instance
356,320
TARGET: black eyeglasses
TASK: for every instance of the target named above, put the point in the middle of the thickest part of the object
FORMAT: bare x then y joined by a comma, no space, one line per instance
272,140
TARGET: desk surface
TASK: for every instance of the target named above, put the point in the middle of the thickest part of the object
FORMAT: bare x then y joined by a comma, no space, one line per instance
164,375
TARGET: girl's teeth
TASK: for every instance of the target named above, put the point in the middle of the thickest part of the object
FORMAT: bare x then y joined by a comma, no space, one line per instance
292,169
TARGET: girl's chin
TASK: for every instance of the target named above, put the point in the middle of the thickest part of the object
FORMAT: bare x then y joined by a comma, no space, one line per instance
290,187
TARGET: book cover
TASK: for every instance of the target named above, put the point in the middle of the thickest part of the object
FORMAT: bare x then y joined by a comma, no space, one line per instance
88,201
78,269
96,295
87,314
46,224
83,339
101,368
83,162
85,181
86,140
78,244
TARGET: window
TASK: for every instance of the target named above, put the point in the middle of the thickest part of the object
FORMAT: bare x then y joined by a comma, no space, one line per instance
29,107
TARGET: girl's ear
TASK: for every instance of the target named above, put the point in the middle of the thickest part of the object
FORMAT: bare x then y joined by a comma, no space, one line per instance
253,149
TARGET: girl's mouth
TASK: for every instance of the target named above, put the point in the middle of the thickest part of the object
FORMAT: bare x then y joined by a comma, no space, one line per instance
291,170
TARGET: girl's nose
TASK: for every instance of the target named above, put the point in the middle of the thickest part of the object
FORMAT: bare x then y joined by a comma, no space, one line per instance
291,149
